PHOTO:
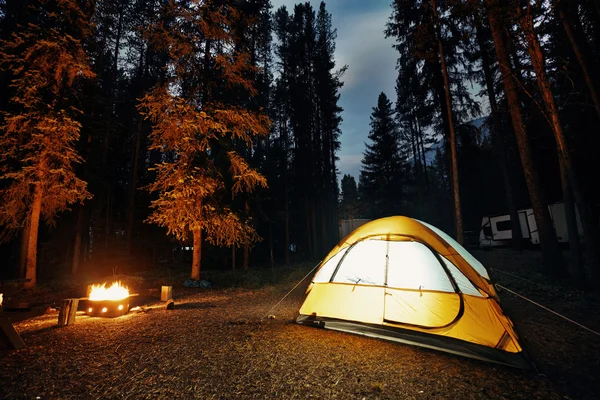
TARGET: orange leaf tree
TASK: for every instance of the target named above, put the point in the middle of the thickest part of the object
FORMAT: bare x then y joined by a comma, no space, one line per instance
200,122
38,134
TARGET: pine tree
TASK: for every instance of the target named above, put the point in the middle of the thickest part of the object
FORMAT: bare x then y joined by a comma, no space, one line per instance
570,185
380,182
307,125
553,259
327,85
425,32
349,201
195,125
282,114
39,132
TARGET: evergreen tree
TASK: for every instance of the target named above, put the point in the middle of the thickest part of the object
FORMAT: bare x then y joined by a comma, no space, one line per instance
425,33
39,133
307,125
570,186
349,202
380,182
553,259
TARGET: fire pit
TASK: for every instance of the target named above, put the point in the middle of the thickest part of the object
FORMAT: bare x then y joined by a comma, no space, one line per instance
108,302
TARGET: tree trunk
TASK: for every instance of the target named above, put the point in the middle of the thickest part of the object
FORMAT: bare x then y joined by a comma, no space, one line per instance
567,175
498,138
34,222
112,84
421,145
583,63
197,253
453,155
24,249
286,195
552,256
77,242
271,252
246,255
309,237
576,265
133,185
246,259
233,257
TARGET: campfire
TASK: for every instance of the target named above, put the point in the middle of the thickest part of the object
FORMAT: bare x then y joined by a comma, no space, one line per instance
108,302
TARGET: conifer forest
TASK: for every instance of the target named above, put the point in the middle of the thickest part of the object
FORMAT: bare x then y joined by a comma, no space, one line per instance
208,132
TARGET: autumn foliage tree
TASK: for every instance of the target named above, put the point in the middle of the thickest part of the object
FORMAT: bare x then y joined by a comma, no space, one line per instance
199,126
40,129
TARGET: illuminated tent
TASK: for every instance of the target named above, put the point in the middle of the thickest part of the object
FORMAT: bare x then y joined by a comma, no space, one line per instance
401,279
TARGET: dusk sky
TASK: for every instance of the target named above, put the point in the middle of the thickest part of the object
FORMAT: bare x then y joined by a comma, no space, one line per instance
371,60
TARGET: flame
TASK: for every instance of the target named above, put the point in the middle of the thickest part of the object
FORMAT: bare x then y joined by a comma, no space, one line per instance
114,292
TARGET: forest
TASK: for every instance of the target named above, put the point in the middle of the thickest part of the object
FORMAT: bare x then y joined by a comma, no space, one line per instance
135,132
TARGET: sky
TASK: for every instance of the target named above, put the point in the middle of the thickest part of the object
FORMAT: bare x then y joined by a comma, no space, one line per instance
371,60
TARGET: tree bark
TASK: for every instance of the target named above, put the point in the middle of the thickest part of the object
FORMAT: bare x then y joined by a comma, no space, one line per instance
24,249
453,155
233,257
286,194
567,173
34,221
246,259
197,253
77,242
133,185
552,256
498,138
582,60
421,145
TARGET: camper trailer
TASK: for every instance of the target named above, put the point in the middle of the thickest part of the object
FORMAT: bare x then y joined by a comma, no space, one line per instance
496,230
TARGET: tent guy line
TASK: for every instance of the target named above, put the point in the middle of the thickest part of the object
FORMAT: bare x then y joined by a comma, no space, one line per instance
516,276
288,293
547,309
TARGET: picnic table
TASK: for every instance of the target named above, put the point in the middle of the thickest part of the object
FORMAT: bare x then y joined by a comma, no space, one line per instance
16,311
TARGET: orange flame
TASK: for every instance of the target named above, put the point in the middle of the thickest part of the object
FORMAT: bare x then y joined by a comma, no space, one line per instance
114,292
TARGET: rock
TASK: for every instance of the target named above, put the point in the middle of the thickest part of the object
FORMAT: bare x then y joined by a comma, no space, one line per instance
190,283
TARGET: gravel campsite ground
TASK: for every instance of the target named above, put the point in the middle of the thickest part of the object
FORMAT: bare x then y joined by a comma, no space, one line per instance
214,345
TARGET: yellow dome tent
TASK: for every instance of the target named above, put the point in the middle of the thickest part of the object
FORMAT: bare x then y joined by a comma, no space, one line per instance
401,279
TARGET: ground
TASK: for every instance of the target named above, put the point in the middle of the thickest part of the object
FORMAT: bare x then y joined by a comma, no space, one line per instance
216,344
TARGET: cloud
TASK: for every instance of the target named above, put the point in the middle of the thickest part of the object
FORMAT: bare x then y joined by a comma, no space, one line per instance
371,64
351,164
371,60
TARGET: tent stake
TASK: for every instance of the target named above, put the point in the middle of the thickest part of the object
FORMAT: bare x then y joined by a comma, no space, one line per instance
288,293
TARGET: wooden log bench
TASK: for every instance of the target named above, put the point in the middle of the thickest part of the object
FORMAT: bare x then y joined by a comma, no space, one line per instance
9,333
68,309
14,312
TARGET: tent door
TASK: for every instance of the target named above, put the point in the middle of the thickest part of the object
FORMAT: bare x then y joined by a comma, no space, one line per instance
427,309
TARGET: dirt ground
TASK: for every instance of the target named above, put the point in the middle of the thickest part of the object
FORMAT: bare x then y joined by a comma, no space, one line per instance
215,345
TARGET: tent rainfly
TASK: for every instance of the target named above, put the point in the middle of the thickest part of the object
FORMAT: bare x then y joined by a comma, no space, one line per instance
403,280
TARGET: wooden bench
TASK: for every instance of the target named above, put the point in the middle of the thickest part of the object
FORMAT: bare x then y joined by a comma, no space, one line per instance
14,312
68,310
9,333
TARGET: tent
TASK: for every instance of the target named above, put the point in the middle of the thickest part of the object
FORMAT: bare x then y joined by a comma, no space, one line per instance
404,280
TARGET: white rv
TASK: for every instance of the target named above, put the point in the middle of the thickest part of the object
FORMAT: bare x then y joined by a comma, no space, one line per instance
496,230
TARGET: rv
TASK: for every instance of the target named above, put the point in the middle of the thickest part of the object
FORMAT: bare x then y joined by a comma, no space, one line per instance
496,231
